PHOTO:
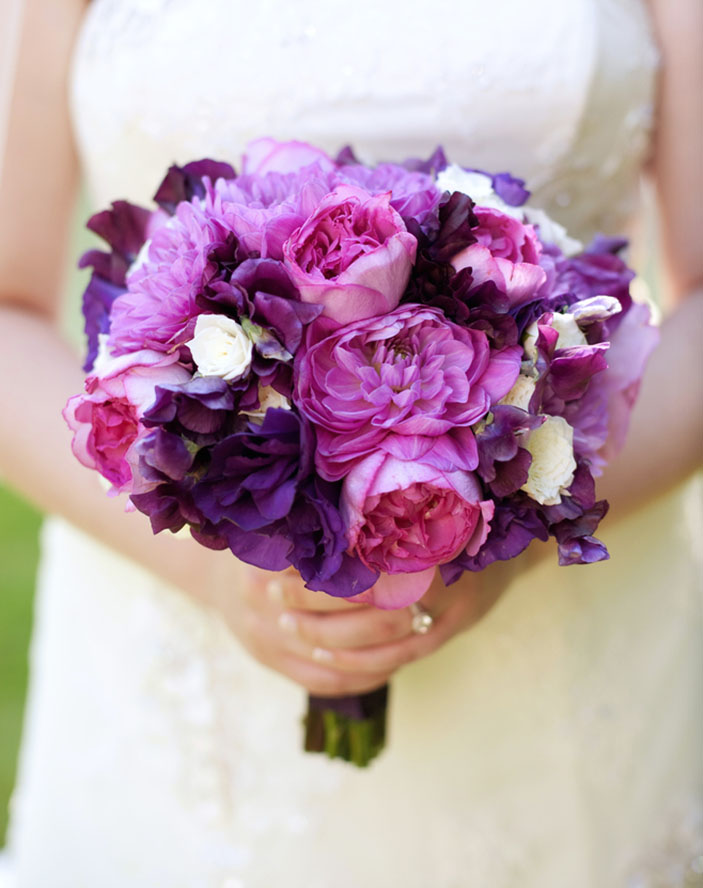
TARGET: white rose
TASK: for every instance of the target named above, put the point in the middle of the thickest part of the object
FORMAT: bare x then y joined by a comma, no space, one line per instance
552,232
479,188
268,397
220,347
521,393
553,464
570,334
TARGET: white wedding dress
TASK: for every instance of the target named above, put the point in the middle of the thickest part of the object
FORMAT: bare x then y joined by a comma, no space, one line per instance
555,744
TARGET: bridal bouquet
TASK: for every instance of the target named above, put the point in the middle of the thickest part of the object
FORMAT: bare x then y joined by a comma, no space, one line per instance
366,372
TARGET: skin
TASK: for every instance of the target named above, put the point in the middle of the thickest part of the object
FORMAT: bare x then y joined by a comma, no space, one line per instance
326,645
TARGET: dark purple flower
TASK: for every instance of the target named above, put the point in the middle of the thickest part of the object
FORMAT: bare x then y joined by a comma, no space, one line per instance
169,506
185,183
577,545
262,291
267,547
596,272
454,227
254,474
513,527
125,227
319,543
510,189
435,163
200,409
163,456
503,464
97,303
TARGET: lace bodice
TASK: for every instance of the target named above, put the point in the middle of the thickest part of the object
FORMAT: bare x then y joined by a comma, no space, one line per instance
558,93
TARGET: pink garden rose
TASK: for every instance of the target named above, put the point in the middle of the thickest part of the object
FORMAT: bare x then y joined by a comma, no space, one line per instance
506,252
353,255
409,383
105,418
269,156
404,518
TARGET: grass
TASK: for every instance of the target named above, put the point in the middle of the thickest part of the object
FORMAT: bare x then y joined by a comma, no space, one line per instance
19,550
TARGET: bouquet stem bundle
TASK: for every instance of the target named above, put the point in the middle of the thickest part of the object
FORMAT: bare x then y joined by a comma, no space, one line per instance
350,728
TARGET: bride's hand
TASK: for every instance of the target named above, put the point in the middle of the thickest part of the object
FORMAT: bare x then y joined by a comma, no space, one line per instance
334,647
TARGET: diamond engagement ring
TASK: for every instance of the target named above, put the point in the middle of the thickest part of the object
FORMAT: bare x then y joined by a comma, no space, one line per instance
421,620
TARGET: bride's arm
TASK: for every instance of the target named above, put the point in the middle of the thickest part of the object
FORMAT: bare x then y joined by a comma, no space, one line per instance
665,441
38,177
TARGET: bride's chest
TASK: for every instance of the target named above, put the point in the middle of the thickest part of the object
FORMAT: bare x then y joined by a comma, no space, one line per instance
507,85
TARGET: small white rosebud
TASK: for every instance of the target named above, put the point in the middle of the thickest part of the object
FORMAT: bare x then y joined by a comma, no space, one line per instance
521,393
220,347
553,465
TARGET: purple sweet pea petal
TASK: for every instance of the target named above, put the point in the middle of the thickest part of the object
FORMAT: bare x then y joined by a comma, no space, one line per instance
319,544
435,163
510,189
572,369
185,183
456,220
512,530
254,474
169,507
125,227
200,409
163,455
267,548
97,302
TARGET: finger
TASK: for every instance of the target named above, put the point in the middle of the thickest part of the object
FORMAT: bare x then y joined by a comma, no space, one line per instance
355,627
325,681
391,656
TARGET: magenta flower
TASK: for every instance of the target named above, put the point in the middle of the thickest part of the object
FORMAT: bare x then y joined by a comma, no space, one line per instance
405,518
506,252
158,310
353,255
409,383
105,418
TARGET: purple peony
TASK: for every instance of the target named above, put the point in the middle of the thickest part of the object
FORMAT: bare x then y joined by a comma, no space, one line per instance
409,383
159,309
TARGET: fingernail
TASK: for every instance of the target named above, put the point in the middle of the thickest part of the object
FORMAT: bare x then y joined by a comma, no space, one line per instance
274,590
320,655
287,622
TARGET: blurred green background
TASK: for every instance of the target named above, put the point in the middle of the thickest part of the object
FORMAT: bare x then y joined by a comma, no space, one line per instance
19,525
